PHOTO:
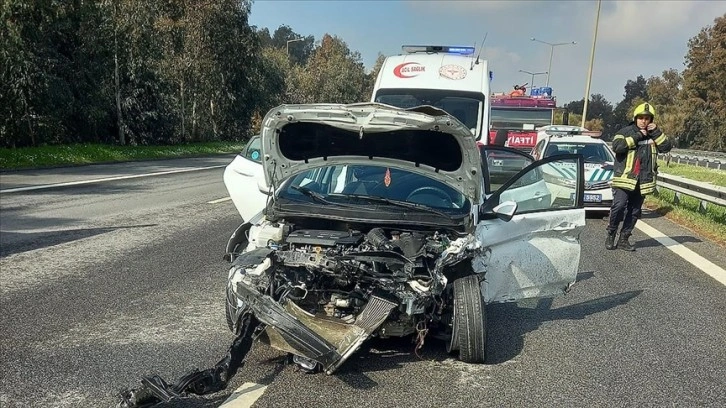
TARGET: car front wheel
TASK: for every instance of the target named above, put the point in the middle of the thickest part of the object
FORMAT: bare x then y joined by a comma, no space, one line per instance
469,320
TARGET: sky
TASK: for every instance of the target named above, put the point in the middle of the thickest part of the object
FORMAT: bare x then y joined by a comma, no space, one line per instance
634,38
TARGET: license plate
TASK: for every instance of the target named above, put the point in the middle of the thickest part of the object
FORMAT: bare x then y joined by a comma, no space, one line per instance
589,198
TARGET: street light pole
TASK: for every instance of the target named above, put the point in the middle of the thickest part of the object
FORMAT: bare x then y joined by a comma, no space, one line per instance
531,82
589,70
288,44
552,53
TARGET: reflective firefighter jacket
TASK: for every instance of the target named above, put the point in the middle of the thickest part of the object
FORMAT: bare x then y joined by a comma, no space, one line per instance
636,158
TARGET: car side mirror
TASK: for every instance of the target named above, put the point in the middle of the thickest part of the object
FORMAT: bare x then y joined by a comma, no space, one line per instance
505,211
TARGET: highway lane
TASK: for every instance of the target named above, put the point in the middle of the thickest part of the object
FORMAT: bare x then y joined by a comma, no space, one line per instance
102,283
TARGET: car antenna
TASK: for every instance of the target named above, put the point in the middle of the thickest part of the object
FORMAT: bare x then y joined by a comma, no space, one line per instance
480,50
471,66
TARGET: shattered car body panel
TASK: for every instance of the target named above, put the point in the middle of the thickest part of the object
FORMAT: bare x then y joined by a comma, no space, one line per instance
524,252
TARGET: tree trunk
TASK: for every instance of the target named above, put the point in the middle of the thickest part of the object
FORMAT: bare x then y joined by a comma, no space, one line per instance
214,122
119,117
194,116
30,125
181,111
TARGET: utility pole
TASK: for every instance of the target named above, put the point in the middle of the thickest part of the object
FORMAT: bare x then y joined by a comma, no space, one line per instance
288,44
531,82
589,70
552,53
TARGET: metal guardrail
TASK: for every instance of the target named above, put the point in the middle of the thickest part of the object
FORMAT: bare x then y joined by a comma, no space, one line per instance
704,192
708,162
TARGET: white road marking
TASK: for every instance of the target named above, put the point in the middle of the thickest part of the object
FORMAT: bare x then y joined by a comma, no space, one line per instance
75,183
696,260
221,200
244,396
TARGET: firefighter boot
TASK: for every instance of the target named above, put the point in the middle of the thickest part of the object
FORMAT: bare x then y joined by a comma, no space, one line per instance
624,244
610,241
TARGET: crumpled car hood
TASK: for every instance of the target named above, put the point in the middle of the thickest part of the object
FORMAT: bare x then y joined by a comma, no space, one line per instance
424,140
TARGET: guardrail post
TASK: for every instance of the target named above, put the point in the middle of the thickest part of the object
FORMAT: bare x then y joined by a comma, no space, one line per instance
702,206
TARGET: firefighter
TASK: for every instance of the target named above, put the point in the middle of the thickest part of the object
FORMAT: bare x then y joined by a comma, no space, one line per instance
636,147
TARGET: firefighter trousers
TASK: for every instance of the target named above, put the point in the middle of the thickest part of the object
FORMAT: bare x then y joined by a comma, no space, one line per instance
626,208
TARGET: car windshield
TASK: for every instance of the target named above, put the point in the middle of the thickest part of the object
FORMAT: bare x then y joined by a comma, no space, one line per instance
592,152
467,107
527,119
348,185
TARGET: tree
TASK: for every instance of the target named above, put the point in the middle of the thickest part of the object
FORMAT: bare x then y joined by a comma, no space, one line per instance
704,88
599,114
52,81
597,107
333,74
373,75
299,51
665,94
633,89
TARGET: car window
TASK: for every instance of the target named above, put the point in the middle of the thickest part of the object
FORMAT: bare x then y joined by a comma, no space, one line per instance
592,152
549,186
253,149
338,183
537,153
502,166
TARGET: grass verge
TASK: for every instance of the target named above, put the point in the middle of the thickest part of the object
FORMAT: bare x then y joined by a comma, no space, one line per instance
710,224
717,177
77,154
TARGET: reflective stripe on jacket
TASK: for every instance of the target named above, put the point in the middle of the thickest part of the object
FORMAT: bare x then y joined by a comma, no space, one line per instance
631,146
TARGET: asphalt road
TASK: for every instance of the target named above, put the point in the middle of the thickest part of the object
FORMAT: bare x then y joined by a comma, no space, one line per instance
102,283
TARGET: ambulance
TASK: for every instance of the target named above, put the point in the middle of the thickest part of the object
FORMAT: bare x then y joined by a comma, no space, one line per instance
451,78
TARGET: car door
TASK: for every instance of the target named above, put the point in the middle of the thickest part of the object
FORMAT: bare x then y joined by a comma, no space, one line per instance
245,180
500,164
536,253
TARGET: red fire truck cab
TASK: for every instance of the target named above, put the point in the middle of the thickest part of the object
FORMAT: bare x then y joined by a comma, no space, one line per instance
515,116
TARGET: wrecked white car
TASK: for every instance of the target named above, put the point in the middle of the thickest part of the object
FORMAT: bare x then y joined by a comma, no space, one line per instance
367,220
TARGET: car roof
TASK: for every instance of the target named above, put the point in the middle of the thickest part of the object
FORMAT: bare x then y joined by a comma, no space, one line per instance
575,139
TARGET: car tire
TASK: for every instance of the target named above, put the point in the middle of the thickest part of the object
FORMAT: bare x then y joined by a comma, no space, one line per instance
469,323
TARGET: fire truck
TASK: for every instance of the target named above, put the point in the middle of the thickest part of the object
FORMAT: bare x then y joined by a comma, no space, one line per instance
515,116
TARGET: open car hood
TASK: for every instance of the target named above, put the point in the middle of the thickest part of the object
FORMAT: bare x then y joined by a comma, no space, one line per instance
423,140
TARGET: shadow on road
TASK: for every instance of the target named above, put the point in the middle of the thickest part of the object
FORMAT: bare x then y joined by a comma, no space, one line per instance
681,239
17,242
662,210
508,323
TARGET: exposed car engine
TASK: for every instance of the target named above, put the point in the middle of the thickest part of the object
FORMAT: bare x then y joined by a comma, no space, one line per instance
334,275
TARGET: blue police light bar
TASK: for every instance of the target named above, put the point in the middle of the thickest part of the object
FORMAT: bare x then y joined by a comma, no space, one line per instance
410,49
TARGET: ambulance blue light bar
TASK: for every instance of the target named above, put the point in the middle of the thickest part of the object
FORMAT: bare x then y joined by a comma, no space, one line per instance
411,49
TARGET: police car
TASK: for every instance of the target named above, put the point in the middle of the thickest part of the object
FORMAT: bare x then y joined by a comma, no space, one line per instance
599,158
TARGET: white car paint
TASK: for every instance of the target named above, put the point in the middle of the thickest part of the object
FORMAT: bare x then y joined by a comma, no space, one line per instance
532,255
598,177
535,254
245,182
